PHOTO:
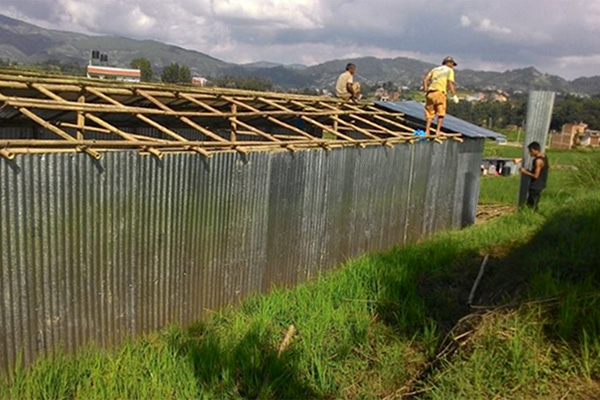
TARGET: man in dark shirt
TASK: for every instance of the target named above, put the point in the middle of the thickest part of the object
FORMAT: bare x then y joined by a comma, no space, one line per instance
538,174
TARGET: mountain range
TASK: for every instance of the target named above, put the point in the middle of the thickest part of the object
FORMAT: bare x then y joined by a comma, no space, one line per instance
25,43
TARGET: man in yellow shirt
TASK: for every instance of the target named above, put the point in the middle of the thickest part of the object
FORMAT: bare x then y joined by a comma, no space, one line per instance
435,84
346,88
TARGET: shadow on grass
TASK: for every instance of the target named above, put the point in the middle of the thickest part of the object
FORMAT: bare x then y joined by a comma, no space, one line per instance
561,260
251,368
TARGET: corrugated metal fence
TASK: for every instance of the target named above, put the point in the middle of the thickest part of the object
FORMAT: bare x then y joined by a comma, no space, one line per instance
99,250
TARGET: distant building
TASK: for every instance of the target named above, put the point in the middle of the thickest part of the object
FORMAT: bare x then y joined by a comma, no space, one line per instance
475,97
382,94
199,81
98,68
500,166
119,74
573,135
499,96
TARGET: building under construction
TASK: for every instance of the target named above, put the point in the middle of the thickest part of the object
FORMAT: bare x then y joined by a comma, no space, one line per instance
127,207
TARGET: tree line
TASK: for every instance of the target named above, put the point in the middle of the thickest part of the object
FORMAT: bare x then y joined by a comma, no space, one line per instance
491,114
500,115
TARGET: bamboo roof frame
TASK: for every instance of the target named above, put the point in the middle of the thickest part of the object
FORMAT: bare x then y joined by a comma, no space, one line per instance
73,108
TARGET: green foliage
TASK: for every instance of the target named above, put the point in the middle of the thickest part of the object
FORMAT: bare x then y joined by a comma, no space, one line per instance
498,115
49,66
587,172
256,83
570,109
145,68
175,73
491,114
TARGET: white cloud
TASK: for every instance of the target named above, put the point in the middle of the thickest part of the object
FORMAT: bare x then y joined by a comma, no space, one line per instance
492,32
483,25
300,14
486,25
591,19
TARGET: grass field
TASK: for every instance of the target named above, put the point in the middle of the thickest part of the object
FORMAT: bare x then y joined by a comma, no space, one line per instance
390,324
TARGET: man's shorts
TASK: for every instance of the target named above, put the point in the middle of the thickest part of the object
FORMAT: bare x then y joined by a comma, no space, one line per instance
435,104
347,96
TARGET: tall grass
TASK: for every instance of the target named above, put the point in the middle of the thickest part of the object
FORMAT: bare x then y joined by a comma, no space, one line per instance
587,173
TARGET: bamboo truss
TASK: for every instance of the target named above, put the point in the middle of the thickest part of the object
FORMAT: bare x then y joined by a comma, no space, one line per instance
76,111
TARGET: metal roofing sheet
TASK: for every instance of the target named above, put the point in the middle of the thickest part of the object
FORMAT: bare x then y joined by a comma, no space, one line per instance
415,110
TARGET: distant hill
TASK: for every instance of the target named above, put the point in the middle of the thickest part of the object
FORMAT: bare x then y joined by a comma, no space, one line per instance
26,43
29,44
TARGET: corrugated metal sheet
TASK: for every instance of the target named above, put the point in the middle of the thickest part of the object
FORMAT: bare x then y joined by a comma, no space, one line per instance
99,250
416,111
539,117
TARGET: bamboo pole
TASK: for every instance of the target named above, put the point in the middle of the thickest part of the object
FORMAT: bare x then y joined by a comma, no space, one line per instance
7,154
183,119
379,117
233,121
477,280
272,119
120,87
355,128
108,108
82,127
202,104
80,118
101,122
336,121
258,131
371,123
141,117
150,122
47,125
307,119
169,132
163,143
108,126
136,143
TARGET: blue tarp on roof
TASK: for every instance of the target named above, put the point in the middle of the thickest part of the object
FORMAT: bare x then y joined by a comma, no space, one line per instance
416,110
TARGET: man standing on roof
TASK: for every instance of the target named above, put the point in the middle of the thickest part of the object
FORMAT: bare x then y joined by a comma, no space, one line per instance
435,85
345,88
538,174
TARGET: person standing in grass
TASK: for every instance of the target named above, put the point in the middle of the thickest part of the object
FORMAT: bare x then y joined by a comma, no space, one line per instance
538,174
435,84
345,88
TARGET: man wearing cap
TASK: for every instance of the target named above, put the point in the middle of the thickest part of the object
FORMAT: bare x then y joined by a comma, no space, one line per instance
345,88
435,85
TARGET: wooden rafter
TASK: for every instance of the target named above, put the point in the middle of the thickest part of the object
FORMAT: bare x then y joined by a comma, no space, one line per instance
307,119
150,122
273,119
183,119
47,125
71,108
372,124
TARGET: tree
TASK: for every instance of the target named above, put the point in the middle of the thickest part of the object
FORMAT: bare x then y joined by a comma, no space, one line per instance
175,73
145,68
243,82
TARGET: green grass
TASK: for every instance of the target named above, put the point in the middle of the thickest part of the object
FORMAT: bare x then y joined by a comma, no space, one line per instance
366,329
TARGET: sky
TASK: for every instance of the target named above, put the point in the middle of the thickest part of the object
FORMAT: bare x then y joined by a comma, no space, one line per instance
559,37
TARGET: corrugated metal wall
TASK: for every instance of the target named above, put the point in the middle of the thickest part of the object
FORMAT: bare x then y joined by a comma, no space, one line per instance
539,117
98,250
